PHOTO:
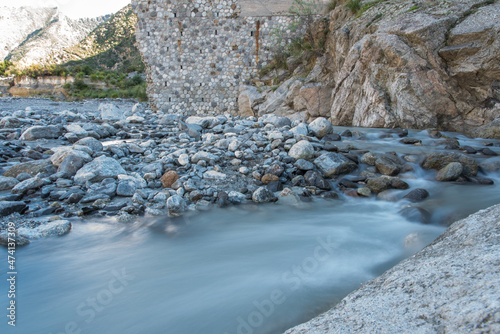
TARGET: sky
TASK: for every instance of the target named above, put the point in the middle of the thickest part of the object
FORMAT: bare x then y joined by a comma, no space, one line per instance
73,8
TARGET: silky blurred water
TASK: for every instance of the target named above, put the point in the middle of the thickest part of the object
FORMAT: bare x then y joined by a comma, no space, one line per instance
242,270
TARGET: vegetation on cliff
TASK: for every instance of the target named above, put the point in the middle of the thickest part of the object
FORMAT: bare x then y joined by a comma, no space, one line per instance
111,46
106,64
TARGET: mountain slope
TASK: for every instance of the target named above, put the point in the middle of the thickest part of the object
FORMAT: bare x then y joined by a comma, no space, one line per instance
110,46
16,24
46,33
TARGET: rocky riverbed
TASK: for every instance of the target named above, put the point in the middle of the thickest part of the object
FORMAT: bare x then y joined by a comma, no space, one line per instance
66,161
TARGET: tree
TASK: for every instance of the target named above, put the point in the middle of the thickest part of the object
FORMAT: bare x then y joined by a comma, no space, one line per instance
4,67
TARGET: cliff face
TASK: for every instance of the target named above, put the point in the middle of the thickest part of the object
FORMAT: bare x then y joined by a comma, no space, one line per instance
418,64
434,66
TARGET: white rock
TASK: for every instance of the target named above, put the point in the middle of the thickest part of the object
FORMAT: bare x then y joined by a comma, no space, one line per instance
176,205
135,119
110,112
302,150
206,156
234,145
213,175
320,127
244,170
183,159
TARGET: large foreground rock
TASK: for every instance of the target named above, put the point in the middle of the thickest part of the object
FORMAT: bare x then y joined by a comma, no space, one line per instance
8,207
248,98
53,229
452,286
332,164
31,167
302,150
439,160
99,169
42,132
110,112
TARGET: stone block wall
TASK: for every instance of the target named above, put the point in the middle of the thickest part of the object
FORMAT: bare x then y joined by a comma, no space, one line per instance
199,52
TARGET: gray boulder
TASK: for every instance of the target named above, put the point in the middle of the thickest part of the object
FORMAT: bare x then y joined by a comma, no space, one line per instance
7,207
263,195
7,183
61,153
315,179
379,184
417,195
53,229
321,127
176,205
304,165
450,172
91,142
42,132
192,130
300,130
98,170
302,150
126,189
439,160
288,197
332,164
70,165
29,184
32,168
389,164
110,112
277,121
206,156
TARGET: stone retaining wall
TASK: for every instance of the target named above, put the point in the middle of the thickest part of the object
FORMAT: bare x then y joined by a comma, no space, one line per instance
199,52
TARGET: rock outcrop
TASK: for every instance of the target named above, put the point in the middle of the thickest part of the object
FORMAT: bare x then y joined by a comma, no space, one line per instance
451,286
419,64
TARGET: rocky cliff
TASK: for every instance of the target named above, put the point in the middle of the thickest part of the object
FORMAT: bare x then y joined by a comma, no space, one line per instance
38,35
451,286
411,64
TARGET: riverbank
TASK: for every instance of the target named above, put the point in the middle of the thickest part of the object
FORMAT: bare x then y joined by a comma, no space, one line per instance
451,286
119,159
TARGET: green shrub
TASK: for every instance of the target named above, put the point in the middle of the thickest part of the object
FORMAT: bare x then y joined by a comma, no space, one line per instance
79,84
354,5
5,66
332,5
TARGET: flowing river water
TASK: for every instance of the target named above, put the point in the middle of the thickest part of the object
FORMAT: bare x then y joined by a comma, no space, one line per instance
245,269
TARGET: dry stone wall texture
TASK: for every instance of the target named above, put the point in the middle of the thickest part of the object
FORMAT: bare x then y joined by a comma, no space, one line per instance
198,53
